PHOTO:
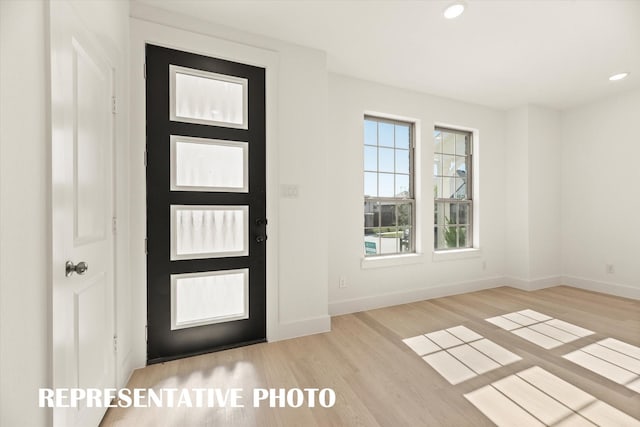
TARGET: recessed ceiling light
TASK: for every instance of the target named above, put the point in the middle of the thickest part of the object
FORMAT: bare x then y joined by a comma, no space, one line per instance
618,76
454,10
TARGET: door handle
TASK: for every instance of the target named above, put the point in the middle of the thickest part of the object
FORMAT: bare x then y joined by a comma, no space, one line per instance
80,268
261,222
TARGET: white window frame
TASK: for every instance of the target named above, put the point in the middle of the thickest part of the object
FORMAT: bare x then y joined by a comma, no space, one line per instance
413,256
475,251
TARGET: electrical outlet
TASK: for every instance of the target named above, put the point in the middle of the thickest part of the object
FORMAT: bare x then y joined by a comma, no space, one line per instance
342,283
610,269
484,265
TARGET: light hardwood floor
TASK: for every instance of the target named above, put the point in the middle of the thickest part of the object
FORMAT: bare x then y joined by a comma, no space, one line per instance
380,381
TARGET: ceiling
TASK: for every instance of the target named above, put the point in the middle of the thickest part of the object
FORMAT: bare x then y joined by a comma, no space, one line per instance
499,53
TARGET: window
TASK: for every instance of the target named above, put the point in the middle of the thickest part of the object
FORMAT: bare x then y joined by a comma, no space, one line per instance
389,204
452,189
199,96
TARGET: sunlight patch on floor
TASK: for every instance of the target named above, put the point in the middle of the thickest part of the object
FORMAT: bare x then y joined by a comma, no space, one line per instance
613,359
539,328
459,354
535,397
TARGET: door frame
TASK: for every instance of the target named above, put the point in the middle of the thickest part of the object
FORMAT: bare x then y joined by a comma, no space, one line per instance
143,32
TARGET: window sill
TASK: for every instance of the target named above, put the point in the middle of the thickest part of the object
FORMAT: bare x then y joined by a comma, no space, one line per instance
456,254
391,261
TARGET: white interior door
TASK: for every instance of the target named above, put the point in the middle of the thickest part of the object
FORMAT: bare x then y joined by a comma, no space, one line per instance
82,87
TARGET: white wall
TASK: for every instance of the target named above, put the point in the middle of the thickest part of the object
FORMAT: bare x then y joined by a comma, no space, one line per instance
24,209
533,197
517,195
349,99
296,155
544,195
302,161
600,204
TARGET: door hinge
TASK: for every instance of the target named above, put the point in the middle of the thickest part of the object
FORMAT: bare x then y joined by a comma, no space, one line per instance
113,105
145,246
114,225
146,333
145,158
144,70
115,343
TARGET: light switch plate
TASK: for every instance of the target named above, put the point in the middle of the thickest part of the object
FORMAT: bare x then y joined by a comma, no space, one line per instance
289,191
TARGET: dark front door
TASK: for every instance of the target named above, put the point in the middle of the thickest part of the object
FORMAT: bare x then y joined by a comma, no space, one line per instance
206,225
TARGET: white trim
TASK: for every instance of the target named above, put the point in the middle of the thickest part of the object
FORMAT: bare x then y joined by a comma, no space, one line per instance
175,69
609,288
389,299
300,328
210,320
391,260
396,117
355,305
456,254
533,284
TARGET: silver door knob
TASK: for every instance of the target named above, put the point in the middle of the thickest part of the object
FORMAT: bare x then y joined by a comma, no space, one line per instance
80,268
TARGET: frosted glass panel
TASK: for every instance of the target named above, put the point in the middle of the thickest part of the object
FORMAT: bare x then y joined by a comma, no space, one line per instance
199,164
208,98
211,297
209,231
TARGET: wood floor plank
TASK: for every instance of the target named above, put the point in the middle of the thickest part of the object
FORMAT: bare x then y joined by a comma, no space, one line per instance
380,381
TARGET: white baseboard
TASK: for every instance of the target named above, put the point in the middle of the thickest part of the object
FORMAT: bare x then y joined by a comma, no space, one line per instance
299,328
533,284
602,287
354,305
